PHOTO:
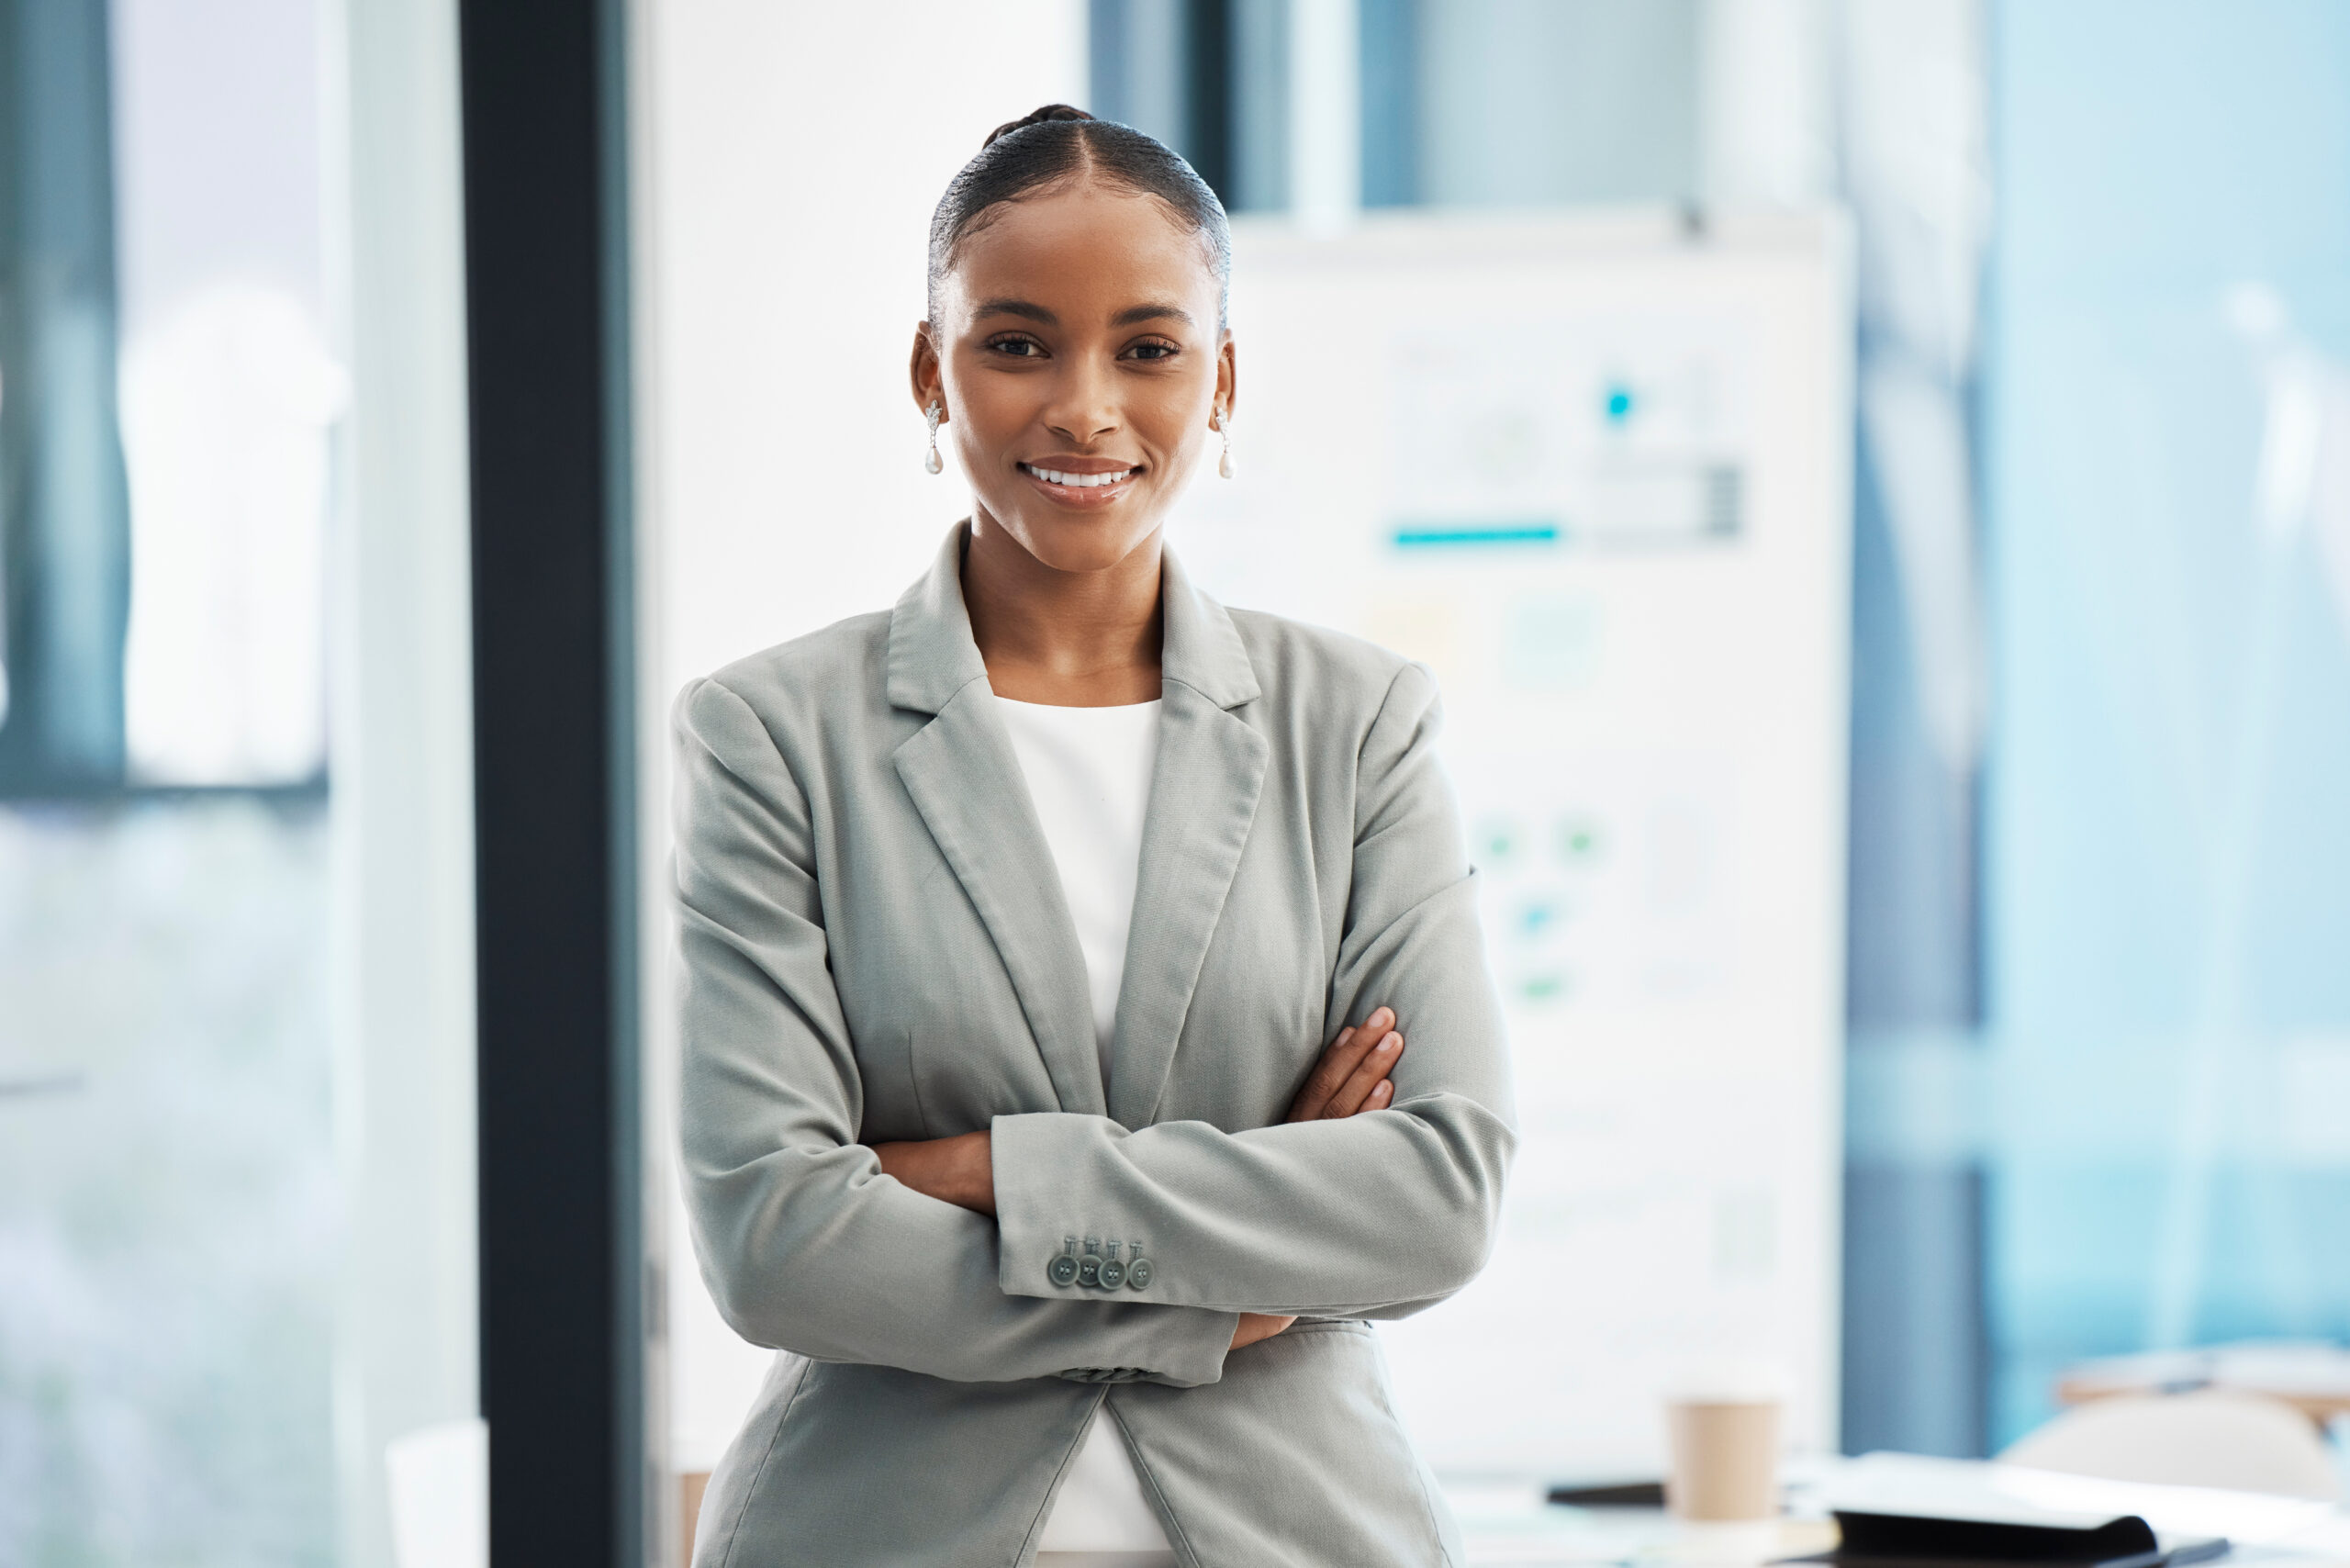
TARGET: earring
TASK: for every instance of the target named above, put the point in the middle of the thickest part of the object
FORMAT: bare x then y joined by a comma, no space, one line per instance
1223,423
931,462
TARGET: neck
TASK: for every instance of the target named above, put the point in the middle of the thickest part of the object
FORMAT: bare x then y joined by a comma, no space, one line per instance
1087,639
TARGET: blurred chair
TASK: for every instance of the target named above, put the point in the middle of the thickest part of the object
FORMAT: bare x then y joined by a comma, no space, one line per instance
2205,1438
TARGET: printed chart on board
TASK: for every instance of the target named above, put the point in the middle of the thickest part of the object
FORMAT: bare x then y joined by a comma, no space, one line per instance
1596,474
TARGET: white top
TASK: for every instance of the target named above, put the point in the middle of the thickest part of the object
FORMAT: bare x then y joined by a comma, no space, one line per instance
1088,771
1089,775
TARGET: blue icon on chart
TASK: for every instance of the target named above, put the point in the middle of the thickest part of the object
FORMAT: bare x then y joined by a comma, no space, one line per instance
1617,404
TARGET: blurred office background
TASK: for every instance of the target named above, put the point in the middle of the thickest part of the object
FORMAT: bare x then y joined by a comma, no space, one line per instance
2097,1087
236,1188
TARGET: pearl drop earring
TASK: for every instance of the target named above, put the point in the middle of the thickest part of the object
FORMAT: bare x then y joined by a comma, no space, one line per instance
931,462
1223,423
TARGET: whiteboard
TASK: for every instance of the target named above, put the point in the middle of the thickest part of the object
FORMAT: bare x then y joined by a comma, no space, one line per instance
1595,472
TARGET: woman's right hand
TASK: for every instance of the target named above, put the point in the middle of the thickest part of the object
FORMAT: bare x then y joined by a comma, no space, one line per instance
1350,1077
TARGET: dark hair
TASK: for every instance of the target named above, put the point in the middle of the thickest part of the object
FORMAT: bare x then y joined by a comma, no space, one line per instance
1059,145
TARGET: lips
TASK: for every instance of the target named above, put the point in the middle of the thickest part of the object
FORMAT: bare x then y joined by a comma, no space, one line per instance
1094,486
1069,479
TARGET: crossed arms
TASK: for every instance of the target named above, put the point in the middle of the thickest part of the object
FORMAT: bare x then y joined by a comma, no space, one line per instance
813,1242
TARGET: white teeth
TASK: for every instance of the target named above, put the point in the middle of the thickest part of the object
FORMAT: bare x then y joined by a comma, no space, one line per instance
1079,481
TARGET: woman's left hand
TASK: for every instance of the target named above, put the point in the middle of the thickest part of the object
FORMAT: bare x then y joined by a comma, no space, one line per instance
959,1169
1351,1077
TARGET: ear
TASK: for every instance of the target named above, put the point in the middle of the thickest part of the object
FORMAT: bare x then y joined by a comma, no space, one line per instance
927,374
1227,376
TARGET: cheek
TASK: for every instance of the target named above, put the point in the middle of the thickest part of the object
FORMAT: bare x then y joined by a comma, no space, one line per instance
1175,415
991,410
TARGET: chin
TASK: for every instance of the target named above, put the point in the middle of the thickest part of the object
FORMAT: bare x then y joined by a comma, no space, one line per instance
1084,543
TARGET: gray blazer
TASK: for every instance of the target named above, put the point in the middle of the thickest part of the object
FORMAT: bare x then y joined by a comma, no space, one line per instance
875,947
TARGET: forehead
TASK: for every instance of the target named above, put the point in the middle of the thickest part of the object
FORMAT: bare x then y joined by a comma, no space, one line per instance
1084,251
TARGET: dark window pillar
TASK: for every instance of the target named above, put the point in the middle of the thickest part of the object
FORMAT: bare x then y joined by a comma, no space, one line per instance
562,1273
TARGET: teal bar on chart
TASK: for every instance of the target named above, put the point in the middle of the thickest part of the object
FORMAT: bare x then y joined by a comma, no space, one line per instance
1423,536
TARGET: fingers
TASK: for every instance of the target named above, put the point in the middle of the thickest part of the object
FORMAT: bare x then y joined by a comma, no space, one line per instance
1356,1048
1369,1081
1339,1062
1255,1326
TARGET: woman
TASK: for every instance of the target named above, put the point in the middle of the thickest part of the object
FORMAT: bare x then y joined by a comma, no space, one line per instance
1012,920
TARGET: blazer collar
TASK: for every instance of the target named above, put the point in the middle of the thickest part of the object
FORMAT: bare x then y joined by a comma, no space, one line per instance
932,655
964,778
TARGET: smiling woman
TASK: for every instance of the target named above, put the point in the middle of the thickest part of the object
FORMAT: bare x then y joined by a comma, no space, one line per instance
1075,345
1014,920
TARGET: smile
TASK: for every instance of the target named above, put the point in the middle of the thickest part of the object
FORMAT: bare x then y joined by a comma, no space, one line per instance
1079,481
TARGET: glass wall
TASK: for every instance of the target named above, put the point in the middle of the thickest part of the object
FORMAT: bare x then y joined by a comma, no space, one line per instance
2169,871
235,1162
169,1217
169,1207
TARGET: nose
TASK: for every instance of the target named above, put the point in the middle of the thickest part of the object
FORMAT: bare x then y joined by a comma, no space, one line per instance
1083,408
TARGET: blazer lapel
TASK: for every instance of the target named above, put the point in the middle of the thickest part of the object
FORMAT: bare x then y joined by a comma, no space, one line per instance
1203,794
960,770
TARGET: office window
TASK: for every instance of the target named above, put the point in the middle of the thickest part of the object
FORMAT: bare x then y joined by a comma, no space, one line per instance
1529,103
230,396
2169,425
1462,103
1208,77
169,1213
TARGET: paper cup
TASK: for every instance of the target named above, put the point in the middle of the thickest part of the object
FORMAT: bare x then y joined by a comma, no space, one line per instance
1722,1425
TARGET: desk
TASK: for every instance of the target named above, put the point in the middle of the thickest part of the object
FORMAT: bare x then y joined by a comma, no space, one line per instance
2313,1378
1505,1523
1509,1524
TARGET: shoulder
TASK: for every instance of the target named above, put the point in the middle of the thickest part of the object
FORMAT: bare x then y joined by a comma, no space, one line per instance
797,685
1317,670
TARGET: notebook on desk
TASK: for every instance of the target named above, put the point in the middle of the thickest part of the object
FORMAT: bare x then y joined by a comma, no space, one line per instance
1924,1540
2086,1519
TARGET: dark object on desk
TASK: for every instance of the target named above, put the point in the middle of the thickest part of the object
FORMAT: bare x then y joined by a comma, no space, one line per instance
1911,1540
1622,1495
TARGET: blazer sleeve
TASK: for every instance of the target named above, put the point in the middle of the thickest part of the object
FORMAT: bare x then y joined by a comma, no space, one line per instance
804,1244
1378,1215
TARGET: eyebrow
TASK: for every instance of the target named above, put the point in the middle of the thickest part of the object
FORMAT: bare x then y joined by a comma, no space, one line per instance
1017,308
1133,315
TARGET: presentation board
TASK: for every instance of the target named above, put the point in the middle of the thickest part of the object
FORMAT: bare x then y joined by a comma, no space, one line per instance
1595,472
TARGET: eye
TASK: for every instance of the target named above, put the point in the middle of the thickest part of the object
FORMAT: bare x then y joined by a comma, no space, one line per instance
1015,345
1153,349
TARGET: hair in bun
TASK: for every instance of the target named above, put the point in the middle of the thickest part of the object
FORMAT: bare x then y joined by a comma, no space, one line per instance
1034,116
1059,144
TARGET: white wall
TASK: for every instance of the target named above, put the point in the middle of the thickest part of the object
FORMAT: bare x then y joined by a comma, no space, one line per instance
793,154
